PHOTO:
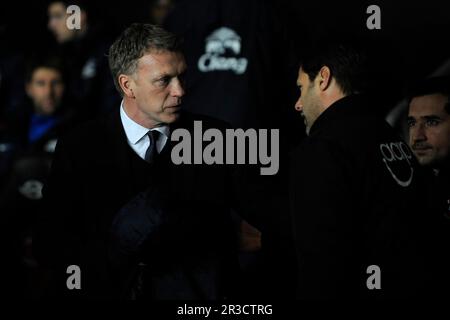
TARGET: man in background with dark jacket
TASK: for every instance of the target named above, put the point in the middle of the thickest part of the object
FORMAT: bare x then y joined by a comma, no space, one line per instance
32,133
429,138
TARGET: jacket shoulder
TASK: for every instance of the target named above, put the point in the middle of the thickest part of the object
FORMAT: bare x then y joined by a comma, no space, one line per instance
89,134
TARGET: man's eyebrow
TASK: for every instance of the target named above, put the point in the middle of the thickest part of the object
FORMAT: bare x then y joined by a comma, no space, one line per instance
163,75
432,117
169,74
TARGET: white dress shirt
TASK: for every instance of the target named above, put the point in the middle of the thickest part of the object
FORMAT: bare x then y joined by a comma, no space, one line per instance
137,136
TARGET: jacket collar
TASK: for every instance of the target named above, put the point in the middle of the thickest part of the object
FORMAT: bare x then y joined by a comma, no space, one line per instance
349,105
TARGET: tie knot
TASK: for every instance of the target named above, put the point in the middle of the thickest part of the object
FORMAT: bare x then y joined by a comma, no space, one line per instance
153,135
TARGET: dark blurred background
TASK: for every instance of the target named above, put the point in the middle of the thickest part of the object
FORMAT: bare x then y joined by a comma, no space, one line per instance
411,44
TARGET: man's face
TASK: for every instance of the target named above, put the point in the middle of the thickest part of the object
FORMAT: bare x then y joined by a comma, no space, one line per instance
159,11
46,90
429,129
158,86
57,17
308,103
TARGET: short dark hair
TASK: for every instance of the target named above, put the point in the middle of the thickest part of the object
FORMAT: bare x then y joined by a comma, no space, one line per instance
433,85
137,40
347,61
50,61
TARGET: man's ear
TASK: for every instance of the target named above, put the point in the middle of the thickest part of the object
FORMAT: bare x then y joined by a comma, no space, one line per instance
126,83
324,78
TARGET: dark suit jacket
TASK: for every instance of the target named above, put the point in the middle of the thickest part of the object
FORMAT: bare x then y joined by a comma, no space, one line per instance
92,178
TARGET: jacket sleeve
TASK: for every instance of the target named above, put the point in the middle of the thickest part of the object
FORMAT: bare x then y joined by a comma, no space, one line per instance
154,229
136,222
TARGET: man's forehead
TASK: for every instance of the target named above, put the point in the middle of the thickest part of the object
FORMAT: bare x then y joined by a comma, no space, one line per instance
163,61
45,72
56,7
162,58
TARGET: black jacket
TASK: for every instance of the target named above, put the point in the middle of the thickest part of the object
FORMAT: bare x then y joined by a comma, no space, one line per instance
95,175
357,200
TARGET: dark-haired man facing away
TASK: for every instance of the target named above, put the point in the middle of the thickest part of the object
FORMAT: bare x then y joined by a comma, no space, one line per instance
354,188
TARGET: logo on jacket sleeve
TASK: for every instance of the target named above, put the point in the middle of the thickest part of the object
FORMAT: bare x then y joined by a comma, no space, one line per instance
397,159
223,47
31,189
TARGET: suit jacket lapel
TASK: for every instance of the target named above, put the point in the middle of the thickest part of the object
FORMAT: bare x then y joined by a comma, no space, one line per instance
182,175
118,145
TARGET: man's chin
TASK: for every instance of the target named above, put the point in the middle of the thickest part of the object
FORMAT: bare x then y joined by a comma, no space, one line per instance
47,109
172,117
425,161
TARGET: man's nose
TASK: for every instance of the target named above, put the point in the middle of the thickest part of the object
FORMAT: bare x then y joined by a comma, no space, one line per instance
51,25
298,105
47,90
418,133
178,90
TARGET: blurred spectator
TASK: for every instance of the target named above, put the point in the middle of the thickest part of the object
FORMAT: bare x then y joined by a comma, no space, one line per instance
84,52
57,13
34,127
32,132
159,10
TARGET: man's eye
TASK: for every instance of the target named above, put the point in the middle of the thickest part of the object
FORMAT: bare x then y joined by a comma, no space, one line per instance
57,16
432,123
410,123
182,79
164,81
56,82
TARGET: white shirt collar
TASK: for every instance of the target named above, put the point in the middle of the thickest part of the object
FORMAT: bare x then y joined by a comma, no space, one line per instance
134,131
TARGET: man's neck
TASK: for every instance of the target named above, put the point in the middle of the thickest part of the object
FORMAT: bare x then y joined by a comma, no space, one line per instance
331,98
